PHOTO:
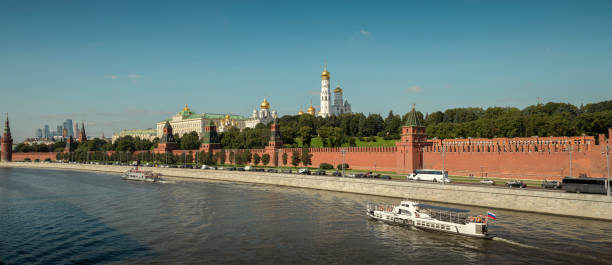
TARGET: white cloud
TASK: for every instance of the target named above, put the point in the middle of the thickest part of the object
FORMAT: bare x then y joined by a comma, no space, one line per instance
134,76
415,89
365,33
111,77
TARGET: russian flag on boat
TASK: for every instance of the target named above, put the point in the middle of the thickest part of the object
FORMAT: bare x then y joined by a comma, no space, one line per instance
491,215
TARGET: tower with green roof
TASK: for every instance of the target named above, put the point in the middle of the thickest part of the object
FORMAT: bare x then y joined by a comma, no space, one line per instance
210,138
410,148
166,142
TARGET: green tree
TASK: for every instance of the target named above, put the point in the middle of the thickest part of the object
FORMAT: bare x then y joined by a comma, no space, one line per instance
285,157
265,159
190,141
295,158
256,159
305,133
231,157
306,157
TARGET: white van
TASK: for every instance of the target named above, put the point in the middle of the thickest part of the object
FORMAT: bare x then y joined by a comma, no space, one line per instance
429,175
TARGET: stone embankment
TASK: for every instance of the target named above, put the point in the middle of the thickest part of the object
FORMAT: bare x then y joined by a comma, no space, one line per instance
540,201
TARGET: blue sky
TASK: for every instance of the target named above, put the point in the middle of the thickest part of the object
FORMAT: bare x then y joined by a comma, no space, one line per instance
127,64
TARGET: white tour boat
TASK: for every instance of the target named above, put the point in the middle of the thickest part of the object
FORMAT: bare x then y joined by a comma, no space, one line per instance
141,175
431,217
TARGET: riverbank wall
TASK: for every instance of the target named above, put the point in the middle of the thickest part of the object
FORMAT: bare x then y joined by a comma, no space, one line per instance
539,201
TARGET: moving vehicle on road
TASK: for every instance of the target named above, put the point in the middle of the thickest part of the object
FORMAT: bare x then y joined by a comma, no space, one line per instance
516,184
585,185
551,184
487,181
429,175
304,171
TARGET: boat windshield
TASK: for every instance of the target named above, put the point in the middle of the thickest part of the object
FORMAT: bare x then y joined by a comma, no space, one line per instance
448,209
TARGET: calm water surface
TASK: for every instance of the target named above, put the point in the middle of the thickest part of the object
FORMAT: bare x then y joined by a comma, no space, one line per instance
64,217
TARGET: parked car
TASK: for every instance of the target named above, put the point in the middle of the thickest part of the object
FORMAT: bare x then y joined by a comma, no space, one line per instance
551,184
304,171
337,174
387,177
371,175
487,181
240,169
516,184
287,171
320,172
248,168
272,170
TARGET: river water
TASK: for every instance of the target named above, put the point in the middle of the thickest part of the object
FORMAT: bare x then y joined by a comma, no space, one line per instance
65,217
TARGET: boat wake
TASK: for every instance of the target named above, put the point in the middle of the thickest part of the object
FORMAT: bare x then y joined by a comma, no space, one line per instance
564,253
508,241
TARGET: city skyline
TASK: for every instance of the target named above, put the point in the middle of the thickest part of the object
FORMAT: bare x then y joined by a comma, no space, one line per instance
128,68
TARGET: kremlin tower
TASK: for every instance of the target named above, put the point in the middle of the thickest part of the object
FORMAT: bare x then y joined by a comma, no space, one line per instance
325,94
7,143
82,136
210,138
166,142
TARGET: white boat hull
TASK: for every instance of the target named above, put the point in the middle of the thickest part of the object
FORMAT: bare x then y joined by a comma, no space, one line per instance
422,221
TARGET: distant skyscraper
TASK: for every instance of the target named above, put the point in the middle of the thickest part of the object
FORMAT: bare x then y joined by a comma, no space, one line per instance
59,130
39,133
47,133
76,130
68,126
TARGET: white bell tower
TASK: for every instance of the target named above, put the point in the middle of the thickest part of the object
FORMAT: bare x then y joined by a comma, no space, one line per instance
325,93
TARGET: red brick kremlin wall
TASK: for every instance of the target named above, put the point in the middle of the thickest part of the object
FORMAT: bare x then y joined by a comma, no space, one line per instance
34,155
535,158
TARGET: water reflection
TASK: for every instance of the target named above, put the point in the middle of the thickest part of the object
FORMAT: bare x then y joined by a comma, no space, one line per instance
235,223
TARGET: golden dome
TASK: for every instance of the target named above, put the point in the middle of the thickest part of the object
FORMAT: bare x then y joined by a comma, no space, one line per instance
227,116
338,90
325,73
300,113
186,108
265,104
311,110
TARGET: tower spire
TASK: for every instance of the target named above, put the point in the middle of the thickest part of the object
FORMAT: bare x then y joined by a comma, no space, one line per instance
7,143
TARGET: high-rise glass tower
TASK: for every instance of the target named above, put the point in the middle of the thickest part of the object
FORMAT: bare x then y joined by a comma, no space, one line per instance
47,132
68,126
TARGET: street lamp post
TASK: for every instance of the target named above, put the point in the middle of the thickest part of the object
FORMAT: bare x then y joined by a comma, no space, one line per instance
606,152
343,164
443,153
569,151
570,148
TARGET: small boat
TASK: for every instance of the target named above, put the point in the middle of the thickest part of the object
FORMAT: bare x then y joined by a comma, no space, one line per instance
141,175
431,218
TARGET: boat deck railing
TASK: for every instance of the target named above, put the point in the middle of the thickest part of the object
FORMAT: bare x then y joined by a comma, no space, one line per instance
380,207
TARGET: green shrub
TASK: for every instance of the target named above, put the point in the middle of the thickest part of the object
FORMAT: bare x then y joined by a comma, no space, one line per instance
36,160
27,159
47,159
346,166
326,166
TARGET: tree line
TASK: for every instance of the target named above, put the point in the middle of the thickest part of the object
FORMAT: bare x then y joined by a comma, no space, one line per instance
550,119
